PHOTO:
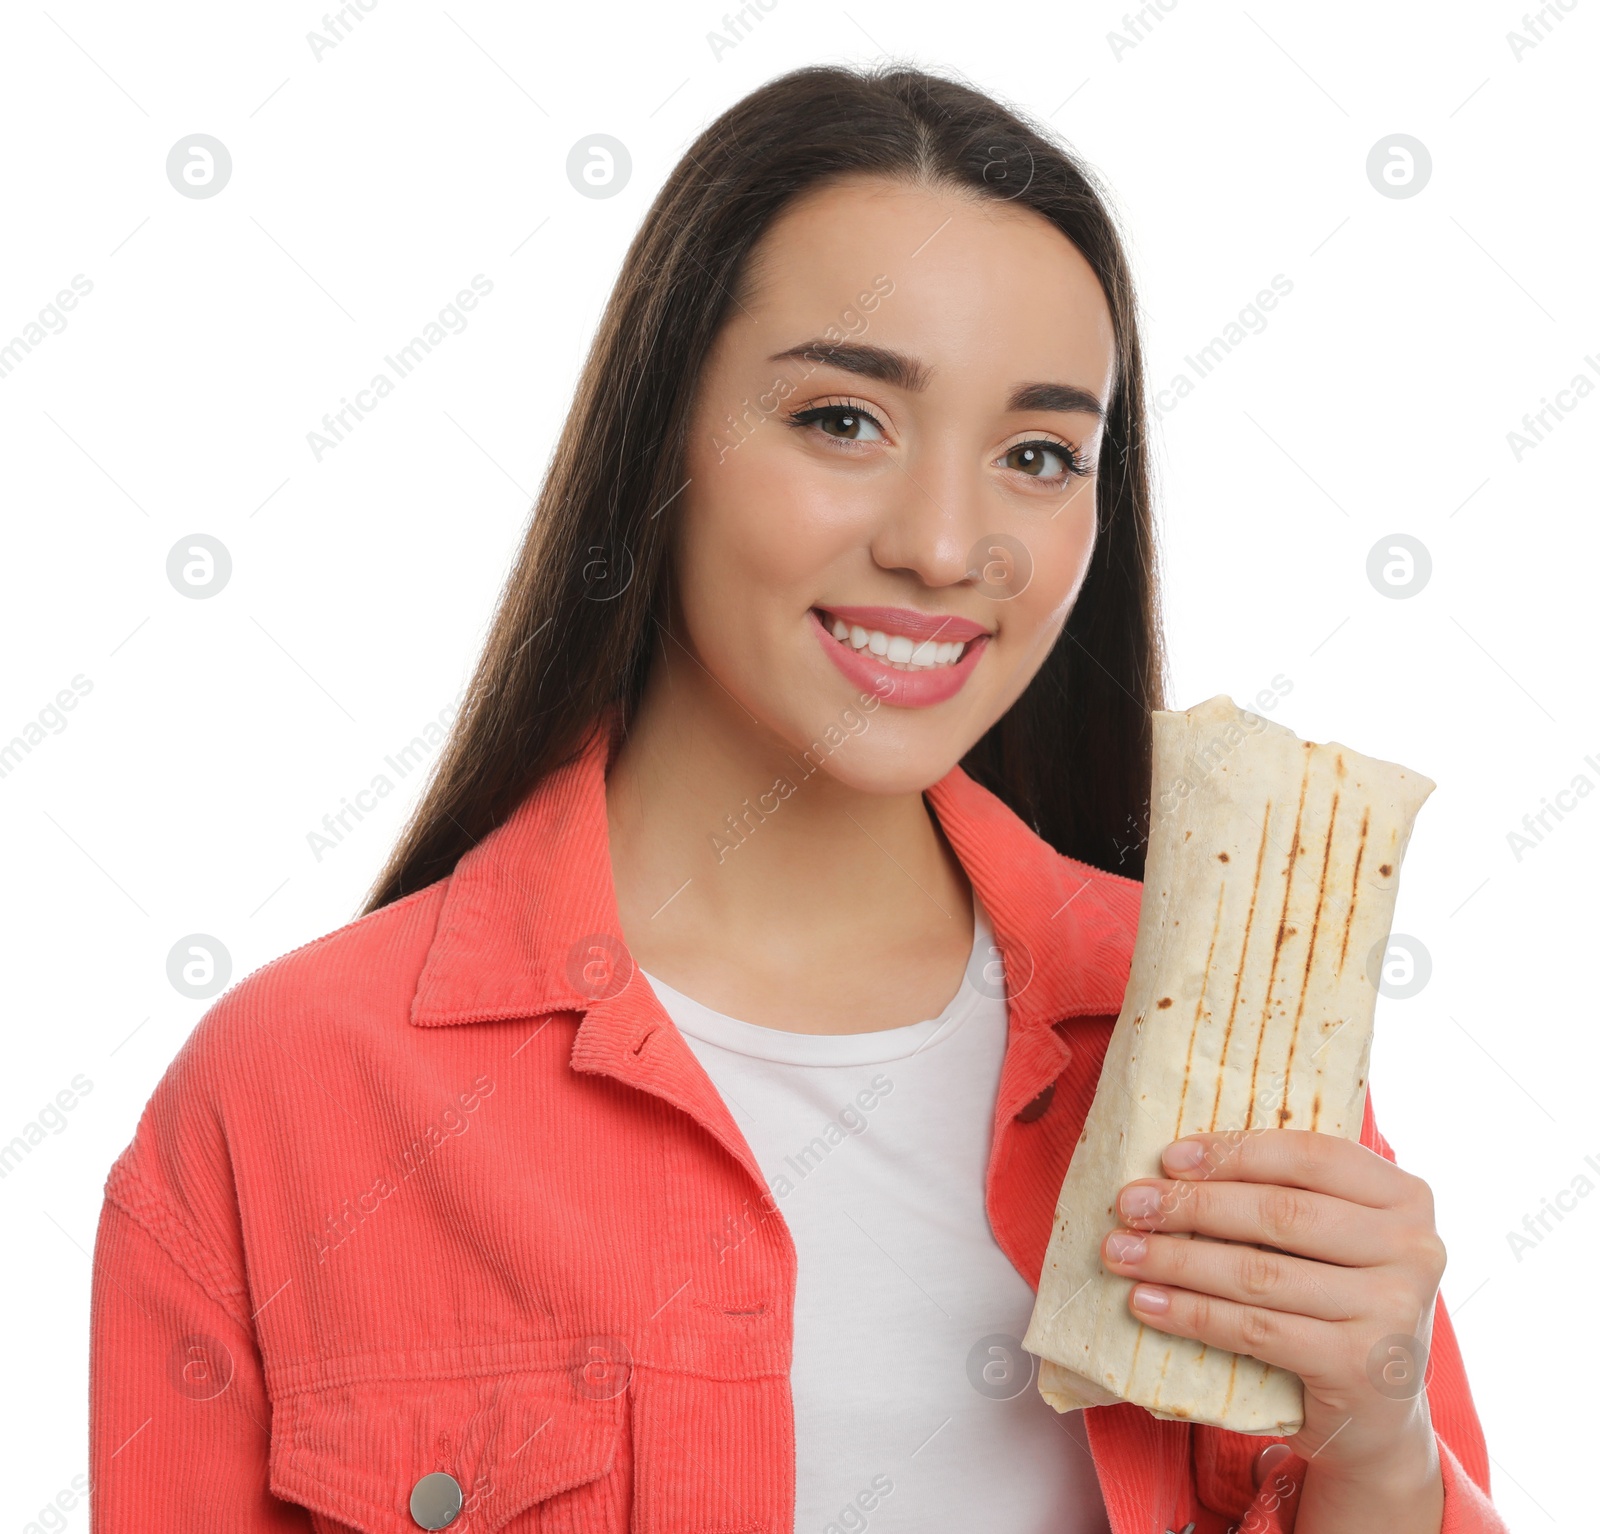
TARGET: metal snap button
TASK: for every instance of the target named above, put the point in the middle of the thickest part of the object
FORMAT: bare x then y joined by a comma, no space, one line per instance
435,1501
1031,1111
1268,1460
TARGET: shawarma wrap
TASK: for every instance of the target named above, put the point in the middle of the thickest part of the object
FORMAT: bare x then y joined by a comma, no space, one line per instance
1269,889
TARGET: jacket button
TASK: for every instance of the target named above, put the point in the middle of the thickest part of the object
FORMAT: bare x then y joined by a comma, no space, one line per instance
1031,1111
435,1501
1268,1460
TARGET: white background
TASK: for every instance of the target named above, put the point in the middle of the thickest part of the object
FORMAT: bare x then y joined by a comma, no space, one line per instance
430,145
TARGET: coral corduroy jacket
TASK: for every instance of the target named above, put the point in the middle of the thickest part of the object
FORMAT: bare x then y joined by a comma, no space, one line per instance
445,1192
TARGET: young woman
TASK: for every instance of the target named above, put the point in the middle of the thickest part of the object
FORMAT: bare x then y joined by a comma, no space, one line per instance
673,1142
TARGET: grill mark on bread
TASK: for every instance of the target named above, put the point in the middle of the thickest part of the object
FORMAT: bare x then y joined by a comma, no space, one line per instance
1161,1379
1238,976
1311,950
1277,946
1355,884
1199,1007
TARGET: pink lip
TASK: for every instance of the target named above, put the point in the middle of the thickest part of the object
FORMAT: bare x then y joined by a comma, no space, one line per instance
908,621
905,689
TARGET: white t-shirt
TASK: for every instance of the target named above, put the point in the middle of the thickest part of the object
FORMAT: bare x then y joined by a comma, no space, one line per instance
915,1404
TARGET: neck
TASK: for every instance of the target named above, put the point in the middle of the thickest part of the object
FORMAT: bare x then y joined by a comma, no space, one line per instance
742,863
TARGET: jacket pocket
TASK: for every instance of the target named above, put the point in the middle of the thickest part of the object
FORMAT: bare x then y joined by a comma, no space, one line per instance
1224,1467
526,1450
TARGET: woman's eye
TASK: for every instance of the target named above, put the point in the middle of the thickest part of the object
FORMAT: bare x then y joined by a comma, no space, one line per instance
1043,460
844,423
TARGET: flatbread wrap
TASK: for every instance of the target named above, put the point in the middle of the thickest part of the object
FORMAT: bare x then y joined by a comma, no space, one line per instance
1270,881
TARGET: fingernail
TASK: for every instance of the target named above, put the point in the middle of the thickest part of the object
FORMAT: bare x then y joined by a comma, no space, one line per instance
1125,1246
1184,1155
1141,1202
1148,1297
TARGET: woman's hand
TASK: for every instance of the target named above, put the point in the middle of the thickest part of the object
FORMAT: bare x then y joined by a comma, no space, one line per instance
1343,1296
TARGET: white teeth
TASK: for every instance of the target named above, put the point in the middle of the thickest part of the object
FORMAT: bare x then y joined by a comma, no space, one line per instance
898,650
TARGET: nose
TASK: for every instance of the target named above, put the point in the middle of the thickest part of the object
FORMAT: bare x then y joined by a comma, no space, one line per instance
932,517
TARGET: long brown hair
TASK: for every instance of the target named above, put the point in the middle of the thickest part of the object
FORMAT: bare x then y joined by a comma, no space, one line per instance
575,627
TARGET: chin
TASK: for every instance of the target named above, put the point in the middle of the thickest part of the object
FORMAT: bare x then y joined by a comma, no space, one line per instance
892,754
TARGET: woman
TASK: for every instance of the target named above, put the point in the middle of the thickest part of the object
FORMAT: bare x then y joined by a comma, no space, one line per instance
672,1144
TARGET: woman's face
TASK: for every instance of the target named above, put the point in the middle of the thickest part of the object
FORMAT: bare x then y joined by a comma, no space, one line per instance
878,547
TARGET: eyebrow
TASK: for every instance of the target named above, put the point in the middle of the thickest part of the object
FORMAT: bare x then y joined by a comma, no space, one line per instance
907,373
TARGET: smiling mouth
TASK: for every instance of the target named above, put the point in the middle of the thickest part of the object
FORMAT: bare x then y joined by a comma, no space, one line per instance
899,651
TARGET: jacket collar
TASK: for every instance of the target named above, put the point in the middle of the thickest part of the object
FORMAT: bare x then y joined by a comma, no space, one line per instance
529,922
528,928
